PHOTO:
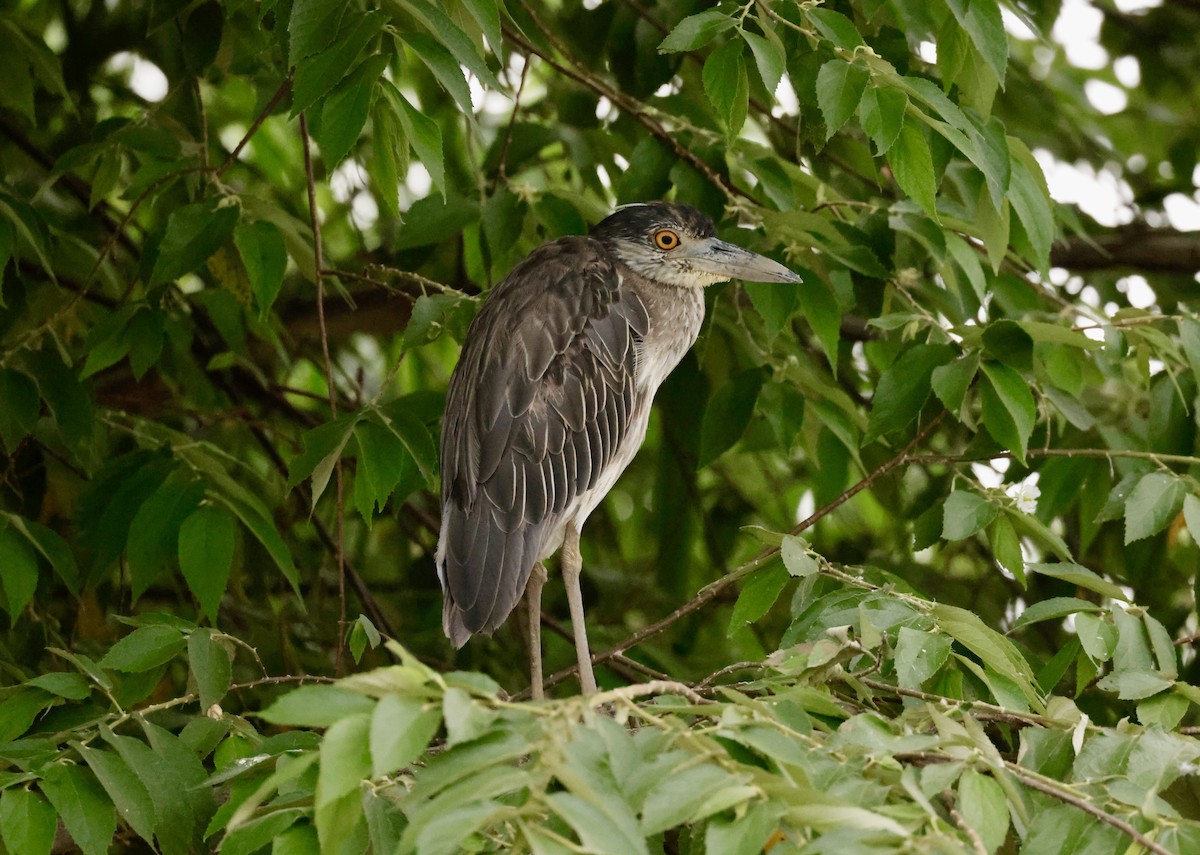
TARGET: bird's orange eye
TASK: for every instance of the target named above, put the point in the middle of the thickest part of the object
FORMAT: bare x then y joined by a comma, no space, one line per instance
666,239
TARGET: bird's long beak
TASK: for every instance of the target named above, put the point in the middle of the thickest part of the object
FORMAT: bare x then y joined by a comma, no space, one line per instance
732,262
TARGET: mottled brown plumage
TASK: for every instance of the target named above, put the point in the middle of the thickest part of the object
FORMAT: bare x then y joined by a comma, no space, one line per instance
551,397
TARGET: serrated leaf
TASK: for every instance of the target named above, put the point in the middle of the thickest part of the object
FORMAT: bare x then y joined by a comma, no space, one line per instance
194,232
389,154
728,414
1153,503
205,555
400,730
264,530
695,31
882,114
19,405
984,807
145,648
982,22
1009,411
996,652
794,551
840,87
153,545
757,596
1055,607
313,25
81,802
769,57
1006,547
445,69
424,134
912,165
344,111
319,73
775,303
1077,575
211,665
1031,200
261,247
345,758
18,570
127,792
454,40
903,388
965,513
1135,685
726,85
27,822
316,706
323,447
836,27
951,381
919,655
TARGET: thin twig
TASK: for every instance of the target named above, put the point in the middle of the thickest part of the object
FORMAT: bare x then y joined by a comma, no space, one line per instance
1106,453
262,117
501,173
1042,786
340,511
964,826
654,687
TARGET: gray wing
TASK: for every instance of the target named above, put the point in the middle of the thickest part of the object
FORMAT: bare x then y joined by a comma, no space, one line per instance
537,405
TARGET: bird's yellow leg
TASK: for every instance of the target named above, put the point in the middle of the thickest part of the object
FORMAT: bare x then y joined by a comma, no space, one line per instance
572,565
533,599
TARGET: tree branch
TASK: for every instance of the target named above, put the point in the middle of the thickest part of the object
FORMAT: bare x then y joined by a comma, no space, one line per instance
1157,251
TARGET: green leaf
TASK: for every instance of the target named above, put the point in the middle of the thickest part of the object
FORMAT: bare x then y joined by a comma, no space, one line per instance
19,405
319,73
993,649
399,418
316,706
1008,342
1055,607
1081,576
607,825
1009,411
454,40
951,381
383,461
153,546
775,303
83,806
266,533
345,758
1006,547
389,154
344,111
840,87
261,247
695,31
769,57
966,513
18,711
146,333
401,728
1031,200
1135,685
128,794
903,389
919,655
487,14
211,665
18,570
796,558
836,27
758,594
27,822
424,134
145,648
912,165
312,27
1154,502
6,245
323,447
984,807
726,85
194,232
65,684
206,546
728,414
445,69
882,114
982,22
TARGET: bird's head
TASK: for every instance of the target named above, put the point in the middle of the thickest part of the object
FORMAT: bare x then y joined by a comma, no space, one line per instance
677,245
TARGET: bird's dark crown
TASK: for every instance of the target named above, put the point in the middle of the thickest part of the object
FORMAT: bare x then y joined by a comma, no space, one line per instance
634,222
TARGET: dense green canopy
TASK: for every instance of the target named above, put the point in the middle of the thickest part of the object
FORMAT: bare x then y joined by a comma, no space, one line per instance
907,562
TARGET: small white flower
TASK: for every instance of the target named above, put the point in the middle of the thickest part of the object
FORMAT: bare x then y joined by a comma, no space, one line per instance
1025,494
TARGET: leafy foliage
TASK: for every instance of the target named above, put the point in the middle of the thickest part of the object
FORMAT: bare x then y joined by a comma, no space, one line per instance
952,478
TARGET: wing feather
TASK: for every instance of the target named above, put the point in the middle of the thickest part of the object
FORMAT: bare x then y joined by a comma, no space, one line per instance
537,406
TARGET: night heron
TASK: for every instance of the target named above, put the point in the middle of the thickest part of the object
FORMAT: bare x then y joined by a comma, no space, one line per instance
550,400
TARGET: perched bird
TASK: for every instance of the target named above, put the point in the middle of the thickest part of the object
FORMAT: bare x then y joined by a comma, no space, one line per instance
550,401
